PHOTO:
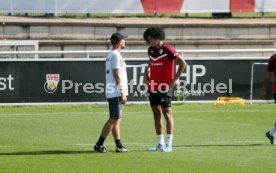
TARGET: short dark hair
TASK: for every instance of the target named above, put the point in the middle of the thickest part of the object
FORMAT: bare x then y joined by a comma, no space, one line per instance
116,37
154,32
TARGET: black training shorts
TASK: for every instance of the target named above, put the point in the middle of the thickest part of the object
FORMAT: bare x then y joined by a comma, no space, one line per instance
160,98
115,107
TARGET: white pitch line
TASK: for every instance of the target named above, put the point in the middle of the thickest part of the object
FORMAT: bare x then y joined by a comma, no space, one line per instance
136,112
7,146
231,142
55,113
227,110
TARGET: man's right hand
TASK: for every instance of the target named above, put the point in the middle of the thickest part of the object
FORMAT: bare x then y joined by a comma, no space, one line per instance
146,79
123,99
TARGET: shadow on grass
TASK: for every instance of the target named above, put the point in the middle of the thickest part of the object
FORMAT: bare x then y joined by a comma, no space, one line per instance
55,152
60,152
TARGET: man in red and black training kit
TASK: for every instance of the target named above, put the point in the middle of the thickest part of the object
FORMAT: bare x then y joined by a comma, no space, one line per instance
160,78
271,69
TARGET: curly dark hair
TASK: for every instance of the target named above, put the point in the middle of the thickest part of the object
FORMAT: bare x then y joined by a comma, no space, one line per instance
155,33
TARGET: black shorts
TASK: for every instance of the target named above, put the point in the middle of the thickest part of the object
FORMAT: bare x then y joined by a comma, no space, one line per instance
160,98
274,97
115,107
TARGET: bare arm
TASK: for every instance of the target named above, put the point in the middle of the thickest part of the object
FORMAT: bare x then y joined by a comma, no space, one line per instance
182,65
265,83
146,75
119,83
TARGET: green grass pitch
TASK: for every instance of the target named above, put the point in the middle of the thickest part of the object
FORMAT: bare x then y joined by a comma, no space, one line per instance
207,139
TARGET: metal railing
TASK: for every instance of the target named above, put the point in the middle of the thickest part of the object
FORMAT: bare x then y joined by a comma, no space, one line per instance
90,52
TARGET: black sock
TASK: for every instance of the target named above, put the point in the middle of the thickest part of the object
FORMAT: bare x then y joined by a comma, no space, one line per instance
100,141
118,143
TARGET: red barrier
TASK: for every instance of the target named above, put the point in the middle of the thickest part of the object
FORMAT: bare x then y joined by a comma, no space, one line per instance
242,5
162,6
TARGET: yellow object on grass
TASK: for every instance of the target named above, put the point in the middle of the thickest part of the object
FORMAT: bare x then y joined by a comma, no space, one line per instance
224,101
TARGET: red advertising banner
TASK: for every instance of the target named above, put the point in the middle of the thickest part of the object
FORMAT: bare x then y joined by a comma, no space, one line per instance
162,6
136,6
242,5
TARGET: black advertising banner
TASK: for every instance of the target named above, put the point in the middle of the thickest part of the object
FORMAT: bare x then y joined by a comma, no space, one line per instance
51,81
84,80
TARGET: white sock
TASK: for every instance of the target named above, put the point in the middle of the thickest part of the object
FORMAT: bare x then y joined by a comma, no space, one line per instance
169,139
272,131
161,139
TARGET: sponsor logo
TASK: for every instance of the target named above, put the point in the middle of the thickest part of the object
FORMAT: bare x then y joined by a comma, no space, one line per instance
157,64
51,83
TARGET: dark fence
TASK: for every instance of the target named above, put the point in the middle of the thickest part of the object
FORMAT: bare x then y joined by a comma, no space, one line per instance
84,81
